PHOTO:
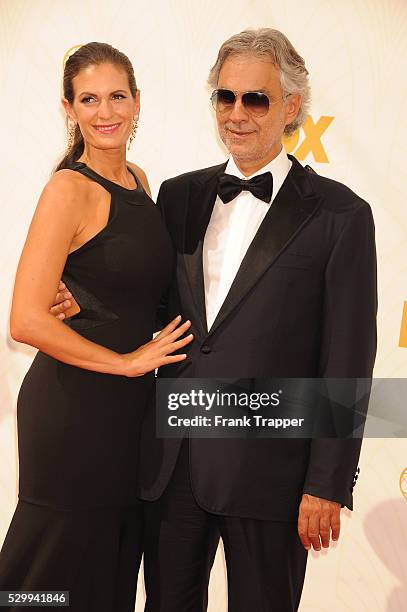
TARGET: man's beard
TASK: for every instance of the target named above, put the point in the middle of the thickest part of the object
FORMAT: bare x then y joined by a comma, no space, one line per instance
252,153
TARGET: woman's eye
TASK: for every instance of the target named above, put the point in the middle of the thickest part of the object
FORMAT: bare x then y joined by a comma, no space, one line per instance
89,99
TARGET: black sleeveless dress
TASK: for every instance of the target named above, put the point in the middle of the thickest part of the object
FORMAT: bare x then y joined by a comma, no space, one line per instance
78,523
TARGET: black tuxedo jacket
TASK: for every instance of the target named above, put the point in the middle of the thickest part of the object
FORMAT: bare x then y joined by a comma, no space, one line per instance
303,304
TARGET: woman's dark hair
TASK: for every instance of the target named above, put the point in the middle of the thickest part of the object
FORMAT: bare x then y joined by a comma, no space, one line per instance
91,54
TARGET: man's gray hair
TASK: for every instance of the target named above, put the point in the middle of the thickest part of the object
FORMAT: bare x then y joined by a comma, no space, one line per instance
273,45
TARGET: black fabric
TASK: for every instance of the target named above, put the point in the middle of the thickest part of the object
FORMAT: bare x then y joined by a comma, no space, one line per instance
303,304
260,186
78,430
265,559
94,554
180,547
265,562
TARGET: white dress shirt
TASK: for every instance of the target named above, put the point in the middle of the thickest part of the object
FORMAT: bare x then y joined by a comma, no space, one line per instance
231,229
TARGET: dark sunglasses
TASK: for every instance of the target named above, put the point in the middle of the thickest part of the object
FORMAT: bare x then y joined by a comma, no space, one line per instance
255,102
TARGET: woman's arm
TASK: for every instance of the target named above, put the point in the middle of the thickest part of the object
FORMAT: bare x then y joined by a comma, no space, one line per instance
56,221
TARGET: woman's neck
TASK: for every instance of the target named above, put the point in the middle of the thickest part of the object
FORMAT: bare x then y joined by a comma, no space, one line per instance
109,163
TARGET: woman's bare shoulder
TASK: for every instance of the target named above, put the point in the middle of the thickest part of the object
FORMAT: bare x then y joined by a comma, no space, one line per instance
67,194
68,187
141,175
69,179
139,171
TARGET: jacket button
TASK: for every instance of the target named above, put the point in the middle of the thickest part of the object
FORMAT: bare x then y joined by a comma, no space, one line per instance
205,349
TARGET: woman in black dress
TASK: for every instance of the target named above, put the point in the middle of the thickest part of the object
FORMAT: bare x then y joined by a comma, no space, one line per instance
78,524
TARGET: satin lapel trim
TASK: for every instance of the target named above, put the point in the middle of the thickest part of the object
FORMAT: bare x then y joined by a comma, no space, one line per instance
202,196
295,204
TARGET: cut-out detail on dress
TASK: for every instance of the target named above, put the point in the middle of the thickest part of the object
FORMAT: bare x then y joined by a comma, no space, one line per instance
93,312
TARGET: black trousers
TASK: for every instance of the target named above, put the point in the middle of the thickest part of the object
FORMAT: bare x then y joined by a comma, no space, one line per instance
265,559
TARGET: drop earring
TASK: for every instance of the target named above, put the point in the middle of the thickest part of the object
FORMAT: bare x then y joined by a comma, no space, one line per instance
71,127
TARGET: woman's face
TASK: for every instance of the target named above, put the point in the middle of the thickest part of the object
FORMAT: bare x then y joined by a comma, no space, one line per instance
103,106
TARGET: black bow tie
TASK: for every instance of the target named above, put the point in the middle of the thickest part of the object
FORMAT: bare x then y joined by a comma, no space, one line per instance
260,186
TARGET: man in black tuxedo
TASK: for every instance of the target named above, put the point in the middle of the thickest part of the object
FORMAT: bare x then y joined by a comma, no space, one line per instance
278,276
276,269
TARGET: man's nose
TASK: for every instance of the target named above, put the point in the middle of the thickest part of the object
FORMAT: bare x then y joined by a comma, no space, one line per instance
238,112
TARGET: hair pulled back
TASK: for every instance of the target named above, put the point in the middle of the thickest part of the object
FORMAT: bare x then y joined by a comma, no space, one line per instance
91,54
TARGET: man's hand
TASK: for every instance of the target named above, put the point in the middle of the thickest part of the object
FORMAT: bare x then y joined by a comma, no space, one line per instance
317,517
64,304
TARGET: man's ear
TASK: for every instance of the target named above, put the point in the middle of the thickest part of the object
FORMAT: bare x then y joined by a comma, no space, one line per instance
293,104
69,110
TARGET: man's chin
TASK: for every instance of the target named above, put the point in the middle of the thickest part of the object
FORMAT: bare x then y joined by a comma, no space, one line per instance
239,151
241,155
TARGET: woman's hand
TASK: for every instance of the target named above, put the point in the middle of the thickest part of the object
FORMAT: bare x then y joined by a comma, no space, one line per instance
157,352
147,357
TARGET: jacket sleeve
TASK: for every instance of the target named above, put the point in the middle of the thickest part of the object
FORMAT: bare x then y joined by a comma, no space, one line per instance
348,346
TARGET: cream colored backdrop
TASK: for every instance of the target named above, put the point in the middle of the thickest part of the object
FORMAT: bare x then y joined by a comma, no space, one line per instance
356,52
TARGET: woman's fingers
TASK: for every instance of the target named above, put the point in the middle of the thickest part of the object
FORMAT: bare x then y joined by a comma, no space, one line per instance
61,296
168,328
174,346
62,302
157,352
166,350
172,359
60,308
171,332
177,333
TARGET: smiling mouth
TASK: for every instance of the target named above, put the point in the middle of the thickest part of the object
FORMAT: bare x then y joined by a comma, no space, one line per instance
107,129
239,134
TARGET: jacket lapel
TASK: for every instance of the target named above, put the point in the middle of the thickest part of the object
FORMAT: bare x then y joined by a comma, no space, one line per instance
201,199
295,204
